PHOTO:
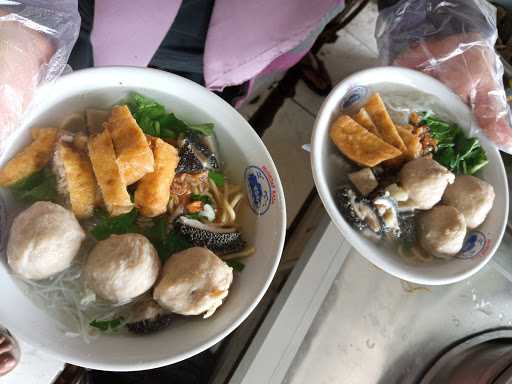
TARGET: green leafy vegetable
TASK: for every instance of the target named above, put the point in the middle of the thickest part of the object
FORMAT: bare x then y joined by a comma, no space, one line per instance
105,325
155,121
176,243
204,198
194,216
460,154
236,265
118,225
203,129
40,186
165,242
217,178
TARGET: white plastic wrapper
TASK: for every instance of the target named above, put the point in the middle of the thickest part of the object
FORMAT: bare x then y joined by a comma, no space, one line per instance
452,41
36,38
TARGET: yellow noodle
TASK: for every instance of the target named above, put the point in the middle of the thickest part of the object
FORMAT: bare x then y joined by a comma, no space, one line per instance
214,189
236,200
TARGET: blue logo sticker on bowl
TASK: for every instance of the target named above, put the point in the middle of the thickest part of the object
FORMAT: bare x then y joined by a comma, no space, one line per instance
261,191
3,224
353,96
475,244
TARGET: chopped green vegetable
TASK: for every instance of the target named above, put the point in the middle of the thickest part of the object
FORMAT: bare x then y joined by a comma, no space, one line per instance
204,198
205,129
118,225
105,325
217,178
155,121
165,242
194,216
40,186
460,154
236,265
176,243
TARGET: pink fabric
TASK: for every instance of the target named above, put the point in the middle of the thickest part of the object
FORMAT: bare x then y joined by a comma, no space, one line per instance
130,32
246,36
284,62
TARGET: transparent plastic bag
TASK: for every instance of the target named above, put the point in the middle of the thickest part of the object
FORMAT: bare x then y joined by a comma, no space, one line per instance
36,38
452,41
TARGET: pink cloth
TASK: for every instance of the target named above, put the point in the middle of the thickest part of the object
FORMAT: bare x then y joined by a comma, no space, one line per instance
246,36
130,32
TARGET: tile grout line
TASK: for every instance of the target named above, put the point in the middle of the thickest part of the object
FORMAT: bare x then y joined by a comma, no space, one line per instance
370,49
305,109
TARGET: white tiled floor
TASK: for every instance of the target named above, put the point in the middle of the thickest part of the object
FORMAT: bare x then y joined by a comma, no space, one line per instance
284,139
354,50
363,26
342,58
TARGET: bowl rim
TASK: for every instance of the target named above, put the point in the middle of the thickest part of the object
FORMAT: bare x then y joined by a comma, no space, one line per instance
281,208
356,240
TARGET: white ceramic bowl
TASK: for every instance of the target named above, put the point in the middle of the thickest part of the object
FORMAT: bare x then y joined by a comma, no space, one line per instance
263,224
408,87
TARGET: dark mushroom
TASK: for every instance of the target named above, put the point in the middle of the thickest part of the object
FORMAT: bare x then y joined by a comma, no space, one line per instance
358,211
149,317
217,239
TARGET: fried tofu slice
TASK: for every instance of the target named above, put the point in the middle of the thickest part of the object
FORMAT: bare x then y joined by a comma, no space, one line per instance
364,119
411,141
154,190
76,179
30,159
380,117
359,144
107,172
134,155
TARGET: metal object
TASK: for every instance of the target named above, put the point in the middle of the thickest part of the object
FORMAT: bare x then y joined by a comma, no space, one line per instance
483,358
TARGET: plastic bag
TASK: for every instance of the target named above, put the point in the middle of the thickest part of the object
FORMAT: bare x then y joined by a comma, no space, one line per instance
452,41
36,38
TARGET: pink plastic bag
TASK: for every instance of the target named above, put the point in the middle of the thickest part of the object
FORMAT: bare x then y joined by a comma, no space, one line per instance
36,38
452,41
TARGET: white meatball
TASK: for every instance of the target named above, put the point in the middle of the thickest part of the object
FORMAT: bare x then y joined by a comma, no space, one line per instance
122,267
425,180
441,231
193,282
472,197
44,240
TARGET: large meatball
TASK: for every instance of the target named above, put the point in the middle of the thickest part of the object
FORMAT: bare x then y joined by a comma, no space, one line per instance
44,240
425,180
193,282
472,197
441,231
122,267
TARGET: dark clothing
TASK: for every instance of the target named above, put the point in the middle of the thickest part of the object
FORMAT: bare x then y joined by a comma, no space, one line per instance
196,370
81,55
182,49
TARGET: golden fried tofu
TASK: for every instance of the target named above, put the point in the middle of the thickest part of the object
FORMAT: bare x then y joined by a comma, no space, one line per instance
380,117
411,141
134,155
363,118
359,144
153,191
104,163
76,179
30,159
